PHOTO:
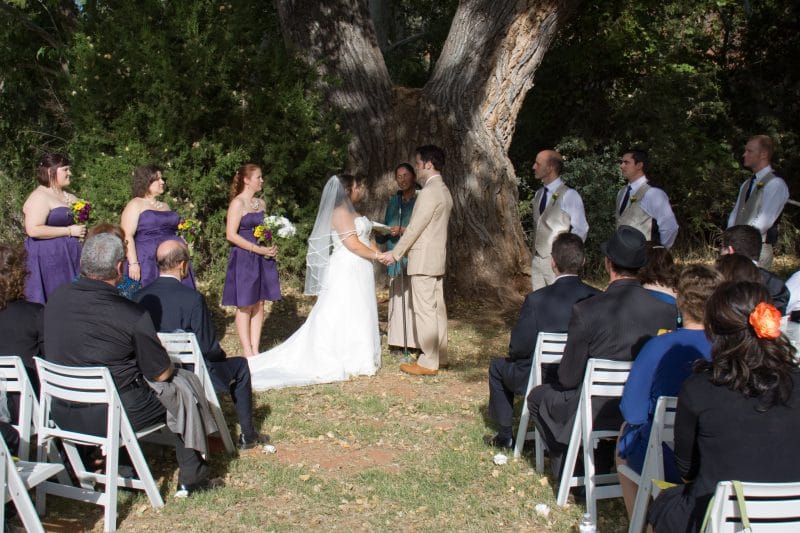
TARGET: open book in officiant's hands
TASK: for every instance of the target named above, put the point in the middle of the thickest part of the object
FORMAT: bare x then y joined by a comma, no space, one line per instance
377,227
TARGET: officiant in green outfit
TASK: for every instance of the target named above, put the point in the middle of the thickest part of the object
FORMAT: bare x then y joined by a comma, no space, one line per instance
398,214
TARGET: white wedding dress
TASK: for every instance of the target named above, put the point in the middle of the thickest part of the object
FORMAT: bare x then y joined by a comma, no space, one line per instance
340,337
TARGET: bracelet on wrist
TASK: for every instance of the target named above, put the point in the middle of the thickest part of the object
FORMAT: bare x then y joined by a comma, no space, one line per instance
133,264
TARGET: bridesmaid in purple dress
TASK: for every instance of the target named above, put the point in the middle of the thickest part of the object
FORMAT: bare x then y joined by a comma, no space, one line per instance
53,245
252,275
151,222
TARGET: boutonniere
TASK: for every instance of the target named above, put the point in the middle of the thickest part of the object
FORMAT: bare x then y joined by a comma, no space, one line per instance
555,196
760,184
633,198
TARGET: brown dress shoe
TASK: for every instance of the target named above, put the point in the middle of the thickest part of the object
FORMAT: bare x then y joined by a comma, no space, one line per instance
416,370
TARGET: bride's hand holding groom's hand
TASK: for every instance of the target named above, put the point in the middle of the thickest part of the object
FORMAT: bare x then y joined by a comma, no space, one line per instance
386,258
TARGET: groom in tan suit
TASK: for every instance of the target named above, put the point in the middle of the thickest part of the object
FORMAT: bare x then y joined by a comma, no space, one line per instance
425,241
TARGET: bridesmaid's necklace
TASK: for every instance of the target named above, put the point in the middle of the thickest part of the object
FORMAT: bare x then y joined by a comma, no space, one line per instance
155,203
61,194
254,204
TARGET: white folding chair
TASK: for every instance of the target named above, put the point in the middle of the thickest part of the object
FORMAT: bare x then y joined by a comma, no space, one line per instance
769,507
92,385
17,478
15,379
184,350
606,379
661,431
549,349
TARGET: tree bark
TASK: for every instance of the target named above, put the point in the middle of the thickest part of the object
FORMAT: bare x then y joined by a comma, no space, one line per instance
468,107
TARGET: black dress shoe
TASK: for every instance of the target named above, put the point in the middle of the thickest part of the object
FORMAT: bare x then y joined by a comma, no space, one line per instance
186,490
497,441
251,441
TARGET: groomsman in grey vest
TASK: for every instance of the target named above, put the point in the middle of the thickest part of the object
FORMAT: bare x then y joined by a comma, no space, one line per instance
556,209
761,197
644,207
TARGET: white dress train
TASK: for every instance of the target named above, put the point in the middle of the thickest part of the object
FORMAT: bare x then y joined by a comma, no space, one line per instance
340,337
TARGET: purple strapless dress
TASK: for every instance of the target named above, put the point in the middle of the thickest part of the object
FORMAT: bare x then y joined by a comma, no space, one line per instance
155,227
251,277
52,262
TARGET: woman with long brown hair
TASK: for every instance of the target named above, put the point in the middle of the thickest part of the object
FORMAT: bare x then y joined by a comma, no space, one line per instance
737,414
252,275
53,245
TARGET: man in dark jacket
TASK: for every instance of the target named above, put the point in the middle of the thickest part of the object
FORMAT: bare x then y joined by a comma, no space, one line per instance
746,240
545,310
176,307
612,325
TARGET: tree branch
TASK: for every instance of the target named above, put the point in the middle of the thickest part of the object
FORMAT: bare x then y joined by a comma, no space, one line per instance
28,23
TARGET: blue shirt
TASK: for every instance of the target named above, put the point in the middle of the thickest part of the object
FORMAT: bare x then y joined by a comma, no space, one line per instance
660,369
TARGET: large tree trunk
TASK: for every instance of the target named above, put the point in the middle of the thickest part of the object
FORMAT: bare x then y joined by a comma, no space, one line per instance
468,107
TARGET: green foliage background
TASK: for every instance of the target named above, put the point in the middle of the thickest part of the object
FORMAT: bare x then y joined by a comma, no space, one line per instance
201,87
197,87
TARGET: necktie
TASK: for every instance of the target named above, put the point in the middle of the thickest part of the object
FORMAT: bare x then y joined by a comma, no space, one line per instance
543,201
750,188
627,197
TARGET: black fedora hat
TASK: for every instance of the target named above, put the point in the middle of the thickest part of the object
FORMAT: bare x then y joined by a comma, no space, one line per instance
626,248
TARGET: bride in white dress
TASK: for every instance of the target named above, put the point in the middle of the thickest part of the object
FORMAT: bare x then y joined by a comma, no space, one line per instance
340,337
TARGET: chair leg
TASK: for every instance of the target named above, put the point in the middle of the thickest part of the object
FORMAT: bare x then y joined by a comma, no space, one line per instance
640,505
589,473
522,431
112,471
143,471
568,468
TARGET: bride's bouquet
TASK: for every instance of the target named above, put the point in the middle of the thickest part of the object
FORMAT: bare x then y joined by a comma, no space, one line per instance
274,226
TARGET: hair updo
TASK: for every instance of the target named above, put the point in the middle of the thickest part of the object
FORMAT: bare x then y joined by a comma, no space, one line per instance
237,184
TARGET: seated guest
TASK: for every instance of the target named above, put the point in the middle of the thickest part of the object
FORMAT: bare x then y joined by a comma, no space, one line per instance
746,240
176,307
20,320
127,286
737,267
660,369
87,323
547,309
659,275
737,414
612,325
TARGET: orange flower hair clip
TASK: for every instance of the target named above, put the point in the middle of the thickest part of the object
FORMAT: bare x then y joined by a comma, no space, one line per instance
766,321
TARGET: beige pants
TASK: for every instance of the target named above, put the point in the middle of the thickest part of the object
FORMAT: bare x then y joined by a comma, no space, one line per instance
765,259
542,273
395,327
430,317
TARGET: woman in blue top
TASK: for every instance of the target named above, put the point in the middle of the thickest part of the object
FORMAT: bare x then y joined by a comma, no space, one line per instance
661,367
398,214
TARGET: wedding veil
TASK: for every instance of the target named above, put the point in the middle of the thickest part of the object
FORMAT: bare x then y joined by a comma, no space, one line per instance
320,243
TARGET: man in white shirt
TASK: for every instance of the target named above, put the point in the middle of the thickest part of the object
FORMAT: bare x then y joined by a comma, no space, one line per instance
556,209
644,207
761,197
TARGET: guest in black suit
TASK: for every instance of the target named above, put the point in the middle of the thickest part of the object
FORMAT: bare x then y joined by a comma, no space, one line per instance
547,309
176,307
612,325
746,240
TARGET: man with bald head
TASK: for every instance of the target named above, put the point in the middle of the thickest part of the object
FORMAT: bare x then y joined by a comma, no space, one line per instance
762,196
556,209
176,307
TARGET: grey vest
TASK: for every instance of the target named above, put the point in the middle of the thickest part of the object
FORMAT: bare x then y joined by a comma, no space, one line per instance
634,215
748,210
550,223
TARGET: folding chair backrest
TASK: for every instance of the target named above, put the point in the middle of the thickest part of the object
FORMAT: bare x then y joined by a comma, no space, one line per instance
183,349
14,378
605,377
770,507
85,385
549,350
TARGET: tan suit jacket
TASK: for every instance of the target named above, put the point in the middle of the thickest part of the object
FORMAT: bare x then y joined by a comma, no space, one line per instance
425,238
